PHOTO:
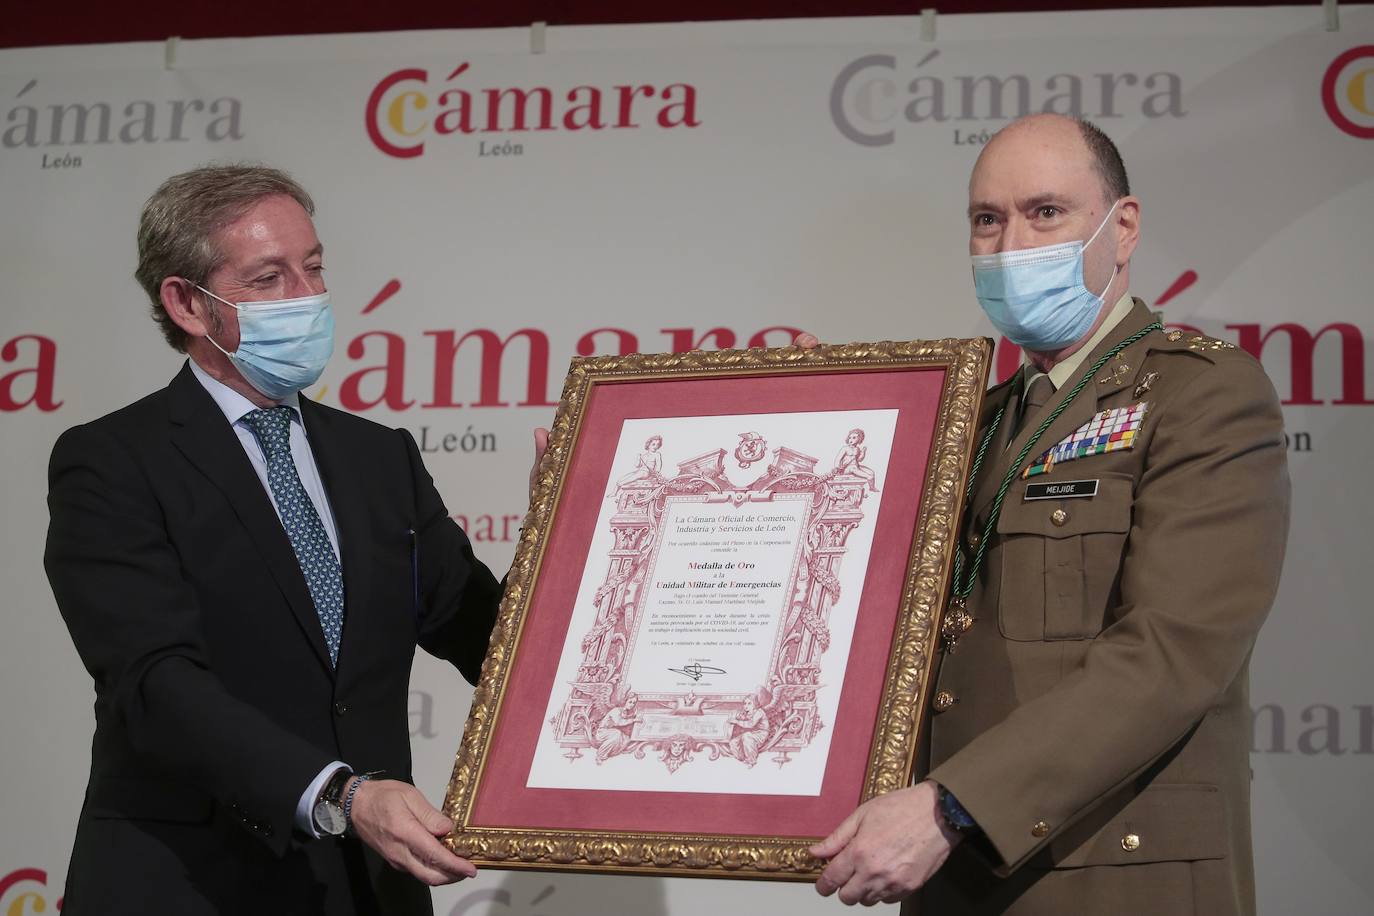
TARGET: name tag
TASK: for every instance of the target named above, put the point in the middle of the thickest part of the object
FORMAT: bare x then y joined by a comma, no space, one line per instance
1063,489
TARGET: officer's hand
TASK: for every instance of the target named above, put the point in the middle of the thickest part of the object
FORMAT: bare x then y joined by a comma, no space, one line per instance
395,820
886,849
541,443
806,340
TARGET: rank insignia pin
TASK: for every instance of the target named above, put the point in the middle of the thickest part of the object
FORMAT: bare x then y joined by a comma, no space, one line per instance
1117,374
1149,379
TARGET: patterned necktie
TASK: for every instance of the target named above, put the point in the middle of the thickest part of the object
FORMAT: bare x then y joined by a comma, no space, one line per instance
309,540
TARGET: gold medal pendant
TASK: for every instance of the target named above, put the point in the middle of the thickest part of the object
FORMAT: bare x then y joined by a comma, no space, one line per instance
957,622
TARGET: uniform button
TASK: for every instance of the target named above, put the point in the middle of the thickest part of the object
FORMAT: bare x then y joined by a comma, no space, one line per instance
944,700
1130,842
1041,829
974,539
1059,517
341,708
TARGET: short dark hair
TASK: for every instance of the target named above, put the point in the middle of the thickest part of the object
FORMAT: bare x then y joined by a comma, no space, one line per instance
1106,160
176,231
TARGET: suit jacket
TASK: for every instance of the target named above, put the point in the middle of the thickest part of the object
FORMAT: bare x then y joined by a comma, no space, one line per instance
216,704
1095,719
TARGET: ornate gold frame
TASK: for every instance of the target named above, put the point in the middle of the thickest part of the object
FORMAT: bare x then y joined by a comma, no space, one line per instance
906,686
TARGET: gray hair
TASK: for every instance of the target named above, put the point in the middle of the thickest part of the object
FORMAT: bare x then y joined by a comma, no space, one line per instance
176,232
1106,160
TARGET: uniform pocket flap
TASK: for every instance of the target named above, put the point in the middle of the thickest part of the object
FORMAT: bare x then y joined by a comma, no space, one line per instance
1109,510
1165,823
148,799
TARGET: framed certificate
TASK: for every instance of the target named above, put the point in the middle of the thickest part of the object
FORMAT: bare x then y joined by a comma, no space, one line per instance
715,640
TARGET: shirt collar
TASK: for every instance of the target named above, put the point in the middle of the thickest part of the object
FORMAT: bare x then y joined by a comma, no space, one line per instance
234,405
1061,372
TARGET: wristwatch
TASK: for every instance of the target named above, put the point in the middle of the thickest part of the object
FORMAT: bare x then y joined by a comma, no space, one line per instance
328,814
955,815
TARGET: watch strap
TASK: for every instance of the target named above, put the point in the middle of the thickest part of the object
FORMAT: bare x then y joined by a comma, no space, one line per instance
348,798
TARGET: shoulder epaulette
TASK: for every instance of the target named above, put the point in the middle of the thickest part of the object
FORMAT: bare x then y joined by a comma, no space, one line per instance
1199,342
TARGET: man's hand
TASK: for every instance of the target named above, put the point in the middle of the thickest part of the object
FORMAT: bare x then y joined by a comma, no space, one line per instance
395,820
887,848
541,442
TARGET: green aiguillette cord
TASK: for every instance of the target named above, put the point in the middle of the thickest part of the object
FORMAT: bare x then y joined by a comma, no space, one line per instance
960,590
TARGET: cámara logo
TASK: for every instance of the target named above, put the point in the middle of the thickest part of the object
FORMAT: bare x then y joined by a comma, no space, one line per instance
37,124
405,110
24,890
1348,92
872,94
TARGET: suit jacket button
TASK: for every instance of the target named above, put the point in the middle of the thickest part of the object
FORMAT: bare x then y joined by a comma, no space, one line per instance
1040,830
1059,517
341,708
1130,842
944,700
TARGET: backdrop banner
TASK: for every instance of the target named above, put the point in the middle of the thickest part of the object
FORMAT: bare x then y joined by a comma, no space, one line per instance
491,207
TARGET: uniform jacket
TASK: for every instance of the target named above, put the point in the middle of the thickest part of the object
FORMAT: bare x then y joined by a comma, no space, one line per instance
1095,718
215,703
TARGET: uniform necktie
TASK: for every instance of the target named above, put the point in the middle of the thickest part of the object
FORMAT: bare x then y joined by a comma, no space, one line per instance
314,553
1037,396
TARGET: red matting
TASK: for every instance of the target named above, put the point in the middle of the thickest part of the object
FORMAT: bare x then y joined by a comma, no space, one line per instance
503,799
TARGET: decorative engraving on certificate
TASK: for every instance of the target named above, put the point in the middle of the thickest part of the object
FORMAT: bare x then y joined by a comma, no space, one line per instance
713,618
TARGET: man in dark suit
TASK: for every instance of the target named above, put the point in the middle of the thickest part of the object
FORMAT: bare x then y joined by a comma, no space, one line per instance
246,575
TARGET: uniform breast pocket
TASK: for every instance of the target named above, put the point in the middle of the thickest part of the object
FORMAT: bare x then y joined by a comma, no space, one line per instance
1061,558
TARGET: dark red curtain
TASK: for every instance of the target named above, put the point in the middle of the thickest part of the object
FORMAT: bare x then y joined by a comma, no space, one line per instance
90,21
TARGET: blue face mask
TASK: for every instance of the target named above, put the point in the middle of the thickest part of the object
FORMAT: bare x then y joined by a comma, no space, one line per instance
1035,297
284,344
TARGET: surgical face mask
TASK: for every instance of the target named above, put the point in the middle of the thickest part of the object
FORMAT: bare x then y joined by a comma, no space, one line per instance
283,344
1035,297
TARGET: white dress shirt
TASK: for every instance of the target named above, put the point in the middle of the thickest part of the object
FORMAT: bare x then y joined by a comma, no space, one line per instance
235,407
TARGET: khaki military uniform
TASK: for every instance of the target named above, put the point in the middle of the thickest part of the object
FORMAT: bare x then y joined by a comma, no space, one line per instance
1094,718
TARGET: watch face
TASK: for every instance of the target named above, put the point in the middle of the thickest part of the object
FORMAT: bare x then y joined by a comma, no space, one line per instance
329,818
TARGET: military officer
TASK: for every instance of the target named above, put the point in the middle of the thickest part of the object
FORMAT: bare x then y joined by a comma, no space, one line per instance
1089,741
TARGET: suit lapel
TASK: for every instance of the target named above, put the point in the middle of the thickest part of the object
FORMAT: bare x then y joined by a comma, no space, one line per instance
994,462
201,433
347,498
1129,369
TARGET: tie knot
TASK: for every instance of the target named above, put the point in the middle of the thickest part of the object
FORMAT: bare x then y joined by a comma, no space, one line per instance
1039,393
272,427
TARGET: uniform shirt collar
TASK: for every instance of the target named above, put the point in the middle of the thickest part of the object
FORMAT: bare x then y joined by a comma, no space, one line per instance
234,405
1065,370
